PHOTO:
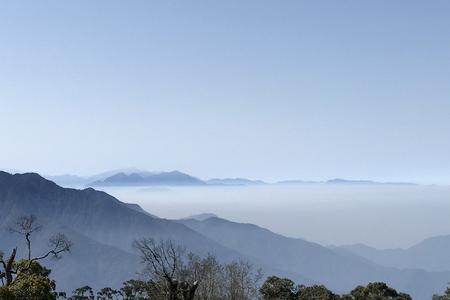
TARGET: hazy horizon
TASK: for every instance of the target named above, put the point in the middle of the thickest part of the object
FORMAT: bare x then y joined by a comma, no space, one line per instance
129,170
310,90
268,90
378,216
329,214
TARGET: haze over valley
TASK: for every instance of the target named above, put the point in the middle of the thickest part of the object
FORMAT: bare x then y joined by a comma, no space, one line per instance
331,212
225,150
330,215
103,228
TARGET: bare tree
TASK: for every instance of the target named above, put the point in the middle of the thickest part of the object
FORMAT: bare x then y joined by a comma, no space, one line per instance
242,280
188,276
26,226
211,275
164,263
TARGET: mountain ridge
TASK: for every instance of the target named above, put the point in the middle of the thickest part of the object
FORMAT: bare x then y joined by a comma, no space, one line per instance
341,181
70,180
140,179
430,254
334,269
100,220
97,218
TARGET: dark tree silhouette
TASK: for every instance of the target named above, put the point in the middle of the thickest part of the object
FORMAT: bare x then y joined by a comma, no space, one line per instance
26,226
163,262
278,288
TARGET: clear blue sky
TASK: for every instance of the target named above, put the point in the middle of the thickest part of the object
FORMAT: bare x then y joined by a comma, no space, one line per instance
262,89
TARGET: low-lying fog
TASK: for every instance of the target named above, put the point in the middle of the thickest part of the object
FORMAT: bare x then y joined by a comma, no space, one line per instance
380,216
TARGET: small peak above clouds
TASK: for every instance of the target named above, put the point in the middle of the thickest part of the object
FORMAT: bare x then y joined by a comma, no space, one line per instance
129,175
172,178
201,217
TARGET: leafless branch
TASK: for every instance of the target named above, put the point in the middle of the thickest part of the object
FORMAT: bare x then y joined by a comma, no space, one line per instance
58,244
26,225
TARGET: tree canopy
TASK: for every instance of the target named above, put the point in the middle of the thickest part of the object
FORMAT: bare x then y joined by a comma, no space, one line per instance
275,288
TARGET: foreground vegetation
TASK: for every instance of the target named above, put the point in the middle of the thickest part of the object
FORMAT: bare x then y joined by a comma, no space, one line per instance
169,273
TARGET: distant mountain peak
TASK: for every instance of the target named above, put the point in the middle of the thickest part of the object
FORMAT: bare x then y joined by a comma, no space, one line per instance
148,179
201,217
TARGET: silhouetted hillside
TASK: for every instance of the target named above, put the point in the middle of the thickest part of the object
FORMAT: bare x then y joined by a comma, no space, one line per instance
95,220
103,229
431,254
338,271
143,179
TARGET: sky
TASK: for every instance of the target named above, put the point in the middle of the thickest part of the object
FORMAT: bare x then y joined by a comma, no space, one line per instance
261,89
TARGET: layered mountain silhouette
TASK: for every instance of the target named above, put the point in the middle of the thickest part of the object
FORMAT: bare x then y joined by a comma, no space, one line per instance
138,177
365,182
337,270
103,229
70,180
145,179
431,254
341,181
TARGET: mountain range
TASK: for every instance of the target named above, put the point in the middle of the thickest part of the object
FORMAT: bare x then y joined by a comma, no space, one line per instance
103,229
431,254
148,179
340,181
70,180
338,270
137,177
